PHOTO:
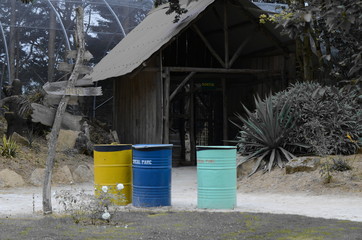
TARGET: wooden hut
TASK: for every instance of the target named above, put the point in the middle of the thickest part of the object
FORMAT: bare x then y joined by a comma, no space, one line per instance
182,82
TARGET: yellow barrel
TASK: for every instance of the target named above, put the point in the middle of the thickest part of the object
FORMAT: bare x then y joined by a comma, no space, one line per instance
112,169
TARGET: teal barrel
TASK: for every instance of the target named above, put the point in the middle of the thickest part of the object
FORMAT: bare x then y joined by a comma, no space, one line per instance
216,177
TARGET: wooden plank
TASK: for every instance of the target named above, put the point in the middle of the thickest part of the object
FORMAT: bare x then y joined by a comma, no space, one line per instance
66,67
84,82
72,54
84,91
46,115
60,88
55,99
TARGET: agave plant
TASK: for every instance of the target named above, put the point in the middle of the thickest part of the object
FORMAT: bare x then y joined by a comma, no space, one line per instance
263,134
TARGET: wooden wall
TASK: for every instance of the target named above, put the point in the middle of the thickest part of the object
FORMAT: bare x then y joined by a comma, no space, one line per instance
138,108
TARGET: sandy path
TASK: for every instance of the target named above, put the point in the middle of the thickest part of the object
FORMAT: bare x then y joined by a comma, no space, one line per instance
18,202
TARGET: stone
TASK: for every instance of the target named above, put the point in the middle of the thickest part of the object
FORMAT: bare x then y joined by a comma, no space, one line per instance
66,140
63,175
83,173
9,178
37,177
20,139
302,164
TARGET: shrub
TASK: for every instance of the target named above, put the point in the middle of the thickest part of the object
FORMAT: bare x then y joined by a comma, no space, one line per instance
340,165
9,147
263,135
91,208
328,119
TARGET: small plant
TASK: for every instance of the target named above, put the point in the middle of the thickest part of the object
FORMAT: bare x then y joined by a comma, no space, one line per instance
85,208
9,147
264,133
325,171
340,165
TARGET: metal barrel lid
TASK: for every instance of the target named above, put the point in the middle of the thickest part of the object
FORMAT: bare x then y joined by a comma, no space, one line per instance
150,147
112,147
200,148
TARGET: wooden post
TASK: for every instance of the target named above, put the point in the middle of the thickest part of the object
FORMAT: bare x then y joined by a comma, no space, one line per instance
47,205
226,35
224,112
192,124
166,106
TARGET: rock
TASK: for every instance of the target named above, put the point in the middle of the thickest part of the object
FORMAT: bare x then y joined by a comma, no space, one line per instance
83,173
37,177
63,175
20,139
303,164
66,139
83,144
244,169
9,178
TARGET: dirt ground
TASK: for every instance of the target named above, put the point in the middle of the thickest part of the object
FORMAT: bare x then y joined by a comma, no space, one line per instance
185,225
277,181
180,224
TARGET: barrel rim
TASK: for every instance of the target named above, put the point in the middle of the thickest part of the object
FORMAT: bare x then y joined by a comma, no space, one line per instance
148,147
200,148
111,147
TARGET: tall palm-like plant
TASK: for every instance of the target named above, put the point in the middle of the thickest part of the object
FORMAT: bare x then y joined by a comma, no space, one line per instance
264,133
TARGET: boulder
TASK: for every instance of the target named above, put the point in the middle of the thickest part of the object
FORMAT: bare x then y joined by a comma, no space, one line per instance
9,178
83,173
63,175
37,177
302,164
66,139
20,139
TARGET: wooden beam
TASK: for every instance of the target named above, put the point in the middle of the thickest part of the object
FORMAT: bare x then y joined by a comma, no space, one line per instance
182,84
192,125
46,116
224,112
216,70
208,45
262,27
166,107
231,28
239,50
72,54
226,36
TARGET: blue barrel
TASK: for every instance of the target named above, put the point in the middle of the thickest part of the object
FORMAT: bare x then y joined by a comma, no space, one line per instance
152,175
216,177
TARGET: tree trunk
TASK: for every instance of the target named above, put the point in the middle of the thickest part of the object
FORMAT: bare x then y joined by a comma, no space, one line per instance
47,205
51,47
12,41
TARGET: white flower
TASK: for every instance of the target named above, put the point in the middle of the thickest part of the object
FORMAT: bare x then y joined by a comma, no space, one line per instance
105,189
120,186
106,215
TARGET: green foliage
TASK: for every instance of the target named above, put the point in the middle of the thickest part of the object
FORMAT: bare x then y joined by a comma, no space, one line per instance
89,208
9,147
263,135
325,171
340,165
328,119
330,30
